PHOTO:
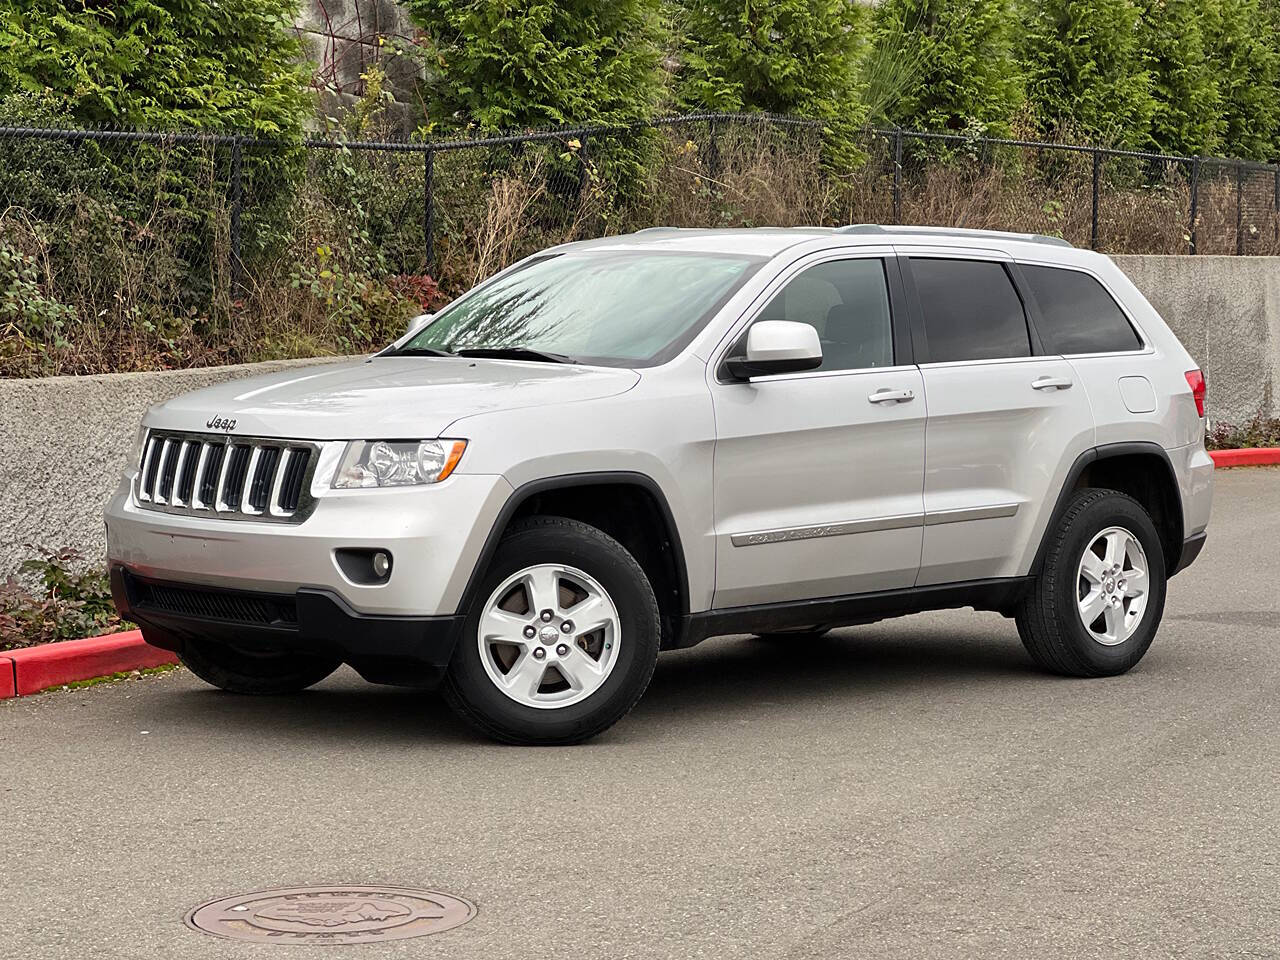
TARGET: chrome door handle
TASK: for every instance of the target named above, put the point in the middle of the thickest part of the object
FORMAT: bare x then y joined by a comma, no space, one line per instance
891,396
1050,383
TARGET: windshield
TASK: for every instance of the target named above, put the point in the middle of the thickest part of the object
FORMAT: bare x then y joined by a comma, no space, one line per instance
612,308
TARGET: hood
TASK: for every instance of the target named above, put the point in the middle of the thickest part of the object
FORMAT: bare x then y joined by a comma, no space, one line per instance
387,397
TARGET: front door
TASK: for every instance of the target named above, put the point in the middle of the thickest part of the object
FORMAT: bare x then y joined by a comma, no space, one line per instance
818,476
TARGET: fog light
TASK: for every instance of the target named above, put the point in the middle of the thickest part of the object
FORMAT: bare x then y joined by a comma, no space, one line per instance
369,567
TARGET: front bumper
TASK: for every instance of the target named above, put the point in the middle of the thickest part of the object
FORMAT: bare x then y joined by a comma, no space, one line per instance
434,534
384,649
1191,548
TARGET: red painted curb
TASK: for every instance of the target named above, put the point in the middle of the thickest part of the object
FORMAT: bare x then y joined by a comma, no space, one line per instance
1246,457
53,664
7,686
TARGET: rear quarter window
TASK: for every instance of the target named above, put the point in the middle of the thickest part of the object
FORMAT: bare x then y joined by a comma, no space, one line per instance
1077,315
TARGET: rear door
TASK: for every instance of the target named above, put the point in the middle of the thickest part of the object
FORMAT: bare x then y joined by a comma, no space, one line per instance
818,475
1005,424
1078,318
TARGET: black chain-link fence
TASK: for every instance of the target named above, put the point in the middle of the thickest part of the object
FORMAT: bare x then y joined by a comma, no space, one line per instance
1116,201
126,250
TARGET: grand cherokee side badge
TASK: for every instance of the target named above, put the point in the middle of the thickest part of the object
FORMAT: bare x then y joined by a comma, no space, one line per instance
221,423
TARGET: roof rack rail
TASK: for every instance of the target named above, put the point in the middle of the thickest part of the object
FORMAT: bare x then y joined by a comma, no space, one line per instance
876,228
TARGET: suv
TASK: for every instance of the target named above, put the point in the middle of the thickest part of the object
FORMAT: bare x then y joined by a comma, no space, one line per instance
631,444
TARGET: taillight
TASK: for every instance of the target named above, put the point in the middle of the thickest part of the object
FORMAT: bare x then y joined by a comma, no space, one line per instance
1195,380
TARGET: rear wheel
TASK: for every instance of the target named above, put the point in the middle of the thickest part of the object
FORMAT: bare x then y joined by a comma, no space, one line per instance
1099,598
561,640
242,670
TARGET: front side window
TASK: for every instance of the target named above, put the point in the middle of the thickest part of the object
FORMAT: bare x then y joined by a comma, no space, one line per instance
1076,314
971,310
614,308
847,302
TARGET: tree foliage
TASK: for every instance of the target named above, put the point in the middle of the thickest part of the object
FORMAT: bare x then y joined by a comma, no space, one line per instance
496,64
791,56
1187,118
959,69
1243,42
210,64
1085,70
780,56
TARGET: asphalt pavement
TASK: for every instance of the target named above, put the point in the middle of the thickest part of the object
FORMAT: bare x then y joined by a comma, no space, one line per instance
909,789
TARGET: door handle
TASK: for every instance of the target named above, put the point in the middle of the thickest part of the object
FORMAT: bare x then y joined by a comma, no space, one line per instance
891,396
1050,383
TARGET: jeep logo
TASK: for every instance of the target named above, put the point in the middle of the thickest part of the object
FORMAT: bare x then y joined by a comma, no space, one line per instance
224,424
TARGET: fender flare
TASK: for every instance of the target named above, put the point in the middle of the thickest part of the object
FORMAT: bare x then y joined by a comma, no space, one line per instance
1106,451
562,481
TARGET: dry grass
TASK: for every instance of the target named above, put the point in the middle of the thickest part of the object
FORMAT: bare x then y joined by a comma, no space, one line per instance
335,257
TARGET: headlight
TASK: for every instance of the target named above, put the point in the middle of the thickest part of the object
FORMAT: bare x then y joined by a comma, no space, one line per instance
135,452
397,463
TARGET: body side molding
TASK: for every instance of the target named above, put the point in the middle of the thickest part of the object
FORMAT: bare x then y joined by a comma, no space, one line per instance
873,524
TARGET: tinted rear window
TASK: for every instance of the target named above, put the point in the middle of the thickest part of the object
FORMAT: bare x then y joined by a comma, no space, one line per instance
971,310
1078,314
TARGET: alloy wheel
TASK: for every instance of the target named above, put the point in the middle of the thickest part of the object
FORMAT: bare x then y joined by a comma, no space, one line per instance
1111,586
548,636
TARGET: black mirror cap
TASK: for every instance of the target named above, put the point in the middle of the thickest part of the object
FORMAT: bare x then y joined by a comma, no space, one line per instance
740,368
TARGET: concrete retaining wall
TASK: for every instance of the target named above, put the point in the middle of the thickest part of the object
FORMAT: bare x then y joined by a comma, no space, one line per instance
1226,312
64,443
64,439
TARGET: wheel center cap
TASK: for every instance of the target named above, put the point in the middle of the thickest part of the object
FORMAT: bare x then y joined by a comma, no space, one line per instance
548,634
1109,585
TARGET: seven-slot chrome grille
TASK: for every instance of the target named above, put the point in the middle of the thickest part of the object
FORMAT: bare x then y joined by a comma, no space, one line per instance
232,478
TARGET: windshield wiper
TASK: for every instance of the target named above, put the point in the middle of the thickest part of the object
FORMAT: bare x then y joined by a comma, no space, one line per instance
420,352
515,353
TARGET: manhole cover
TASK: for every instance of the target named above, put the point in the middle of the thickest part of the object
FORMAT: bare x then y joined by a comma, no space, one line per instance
321,915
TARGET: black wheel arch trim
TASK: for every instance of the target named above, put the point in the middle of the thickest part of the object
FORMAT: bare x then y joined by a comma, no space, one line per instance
532,488
1107,451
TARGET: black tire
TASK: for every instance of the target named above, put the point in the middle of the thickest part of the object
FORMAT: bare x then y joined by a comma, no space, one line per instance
238,670
790,636
476,698
1048,618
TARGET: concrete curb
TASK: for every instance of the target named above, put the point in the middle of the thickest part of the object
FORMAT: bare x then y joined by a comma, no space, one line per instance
33,669
1246,457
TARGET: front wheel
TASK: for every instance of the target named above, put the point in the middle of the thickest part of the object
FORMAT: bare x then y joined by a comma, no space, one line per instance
561,640
1100,595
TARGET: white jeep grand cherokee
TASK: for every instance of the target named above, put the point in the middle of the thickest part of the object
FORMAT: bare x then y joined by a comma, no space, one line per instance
632,444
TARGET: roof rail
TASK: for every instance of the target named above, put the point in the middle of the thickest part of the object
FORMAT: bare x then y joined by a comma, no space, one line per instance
876,228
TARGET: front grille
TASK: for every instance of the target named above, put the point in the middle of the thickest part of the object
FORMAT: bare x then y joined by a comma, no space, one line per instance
241,478
229,605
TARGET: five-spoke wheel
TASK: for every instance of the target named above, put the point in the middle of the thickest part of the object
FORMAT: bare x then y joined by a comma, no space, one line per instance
561,639
1099,592
549,635
1112,585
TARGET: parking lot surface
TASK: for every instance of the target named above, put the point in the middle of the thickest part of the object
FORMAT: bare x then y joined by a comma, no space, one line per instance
908,789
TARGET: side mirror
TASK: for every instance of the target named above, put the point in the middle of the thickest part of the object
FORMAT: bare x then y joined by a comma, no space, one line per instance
418,322
777,346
